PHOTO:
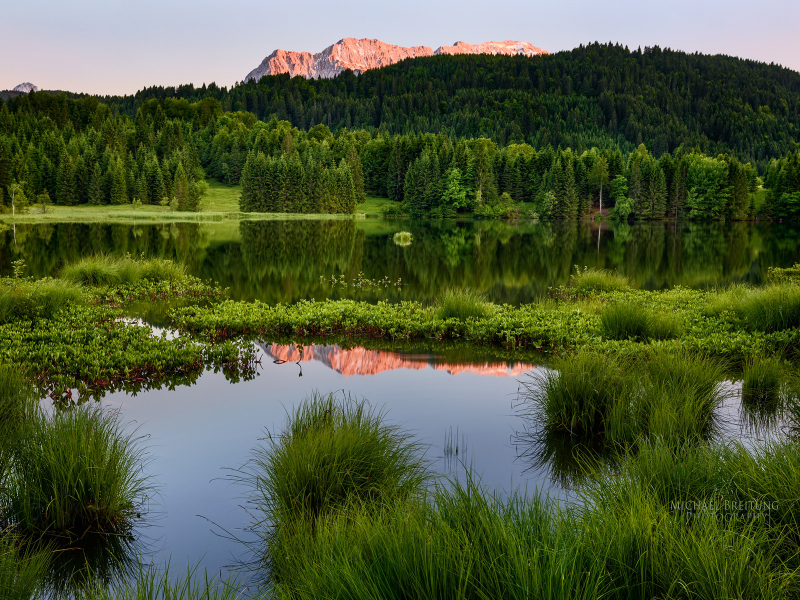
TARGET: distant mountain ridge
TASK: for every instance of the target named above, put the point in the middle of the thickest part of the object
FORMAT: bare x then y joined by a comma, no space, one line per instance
365,54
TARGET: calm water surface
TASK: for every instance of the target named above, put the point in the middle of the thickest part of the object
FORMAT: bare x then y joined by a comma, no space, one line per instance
282,261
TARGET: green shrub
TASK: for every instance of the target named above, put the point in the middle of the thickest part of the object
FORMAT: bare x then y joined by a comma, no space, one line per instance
402,238
597,280
75,472
772,308
462,304
29,300
333,454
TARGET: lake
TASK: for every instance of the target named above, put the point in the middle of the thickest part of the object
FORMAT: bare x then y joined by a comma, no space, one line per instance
283,261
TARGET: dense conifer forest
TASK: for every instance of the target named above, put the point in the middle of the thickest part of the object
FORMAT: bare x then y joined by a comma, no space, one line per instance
649,134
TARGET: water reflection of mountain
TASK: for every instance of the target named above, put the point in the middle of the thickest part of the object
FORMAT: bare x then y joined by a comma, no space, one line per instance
361,361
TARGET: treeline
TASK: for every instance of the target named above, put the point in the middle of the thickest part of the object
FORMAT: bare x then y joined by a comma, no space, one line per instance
58,150
75,151
601,95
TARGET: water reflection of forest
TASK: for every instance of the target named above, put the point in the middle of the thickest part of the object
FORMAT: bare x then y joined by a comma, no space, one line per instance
282,261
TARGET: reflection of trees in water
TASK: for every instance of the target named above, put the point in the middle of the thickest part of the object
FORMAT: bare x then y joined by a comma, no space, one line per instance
283,260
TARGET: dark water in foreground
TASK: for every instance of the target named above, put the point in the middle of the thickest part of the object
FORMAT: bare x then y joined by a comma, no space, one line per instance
282,261
198,435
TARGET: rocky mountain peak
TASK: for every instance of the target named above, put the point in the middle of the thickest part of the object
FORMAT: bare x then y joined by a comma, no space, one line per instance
364,54
25,88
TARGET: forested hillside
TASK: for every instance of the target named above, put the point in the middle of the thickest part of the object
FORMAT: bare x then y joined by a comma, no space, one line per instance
682,140
596,95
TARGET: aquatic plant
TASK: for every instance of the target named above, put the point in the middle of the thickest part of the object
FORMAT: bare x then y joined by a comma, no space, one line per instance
597,280
21,569
27,300
763,379
107,270
630,320
155,582
772,308
462,304
667,393
334,452
73,472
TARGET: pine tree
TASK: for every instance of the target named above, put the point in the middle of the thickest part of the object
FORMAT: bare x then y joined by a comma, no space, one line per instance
96,186
180,188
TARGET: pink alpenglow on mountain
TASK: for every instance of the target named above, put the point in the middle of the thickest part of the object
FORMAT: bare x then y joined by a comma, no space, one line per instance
365,54
509,47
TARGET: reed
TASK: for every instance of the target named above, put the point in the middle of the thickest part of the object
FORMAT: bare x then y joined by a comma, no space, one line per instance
462,304
75,472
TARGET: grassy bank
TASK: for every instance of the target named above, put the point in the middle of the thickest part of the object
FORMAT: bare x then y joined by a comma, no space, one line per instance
671,521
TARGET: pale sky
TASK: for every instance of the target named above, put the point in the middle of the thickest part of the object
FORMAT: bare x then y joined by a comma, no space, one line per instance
113,47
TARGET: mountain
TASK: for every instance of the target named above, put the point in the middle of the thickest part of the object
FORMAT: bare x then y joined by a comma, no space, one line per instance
365,54
25,88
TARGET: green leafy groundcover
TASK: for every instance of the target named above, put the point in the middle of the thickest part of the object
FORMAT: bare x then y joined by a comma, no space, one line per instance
548,326
90,347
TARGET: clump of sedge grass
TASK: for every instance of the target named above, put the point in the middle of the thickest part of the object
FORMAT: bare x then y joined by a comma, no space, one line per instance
334,453
462,304
597,280
588,394
21,570
106,270
628,320
773,308
160,583
461,544
763,380
74,472
28,300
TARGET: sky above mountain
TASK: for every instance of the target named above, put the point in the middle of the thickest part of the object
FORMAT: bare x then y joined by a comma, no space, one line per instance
114,47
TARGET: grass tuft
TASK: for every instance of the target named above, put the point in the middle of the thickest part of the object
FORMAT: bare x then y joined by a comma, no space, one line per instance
628,320
29,300
106,270
334,453
773,308
74,472
462,304
597,280
763,379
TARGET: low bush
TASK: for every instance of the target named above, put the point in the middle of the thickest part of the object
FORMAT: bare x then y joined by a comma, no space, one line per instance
25,300
462,304
74,472
773,308
597,280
